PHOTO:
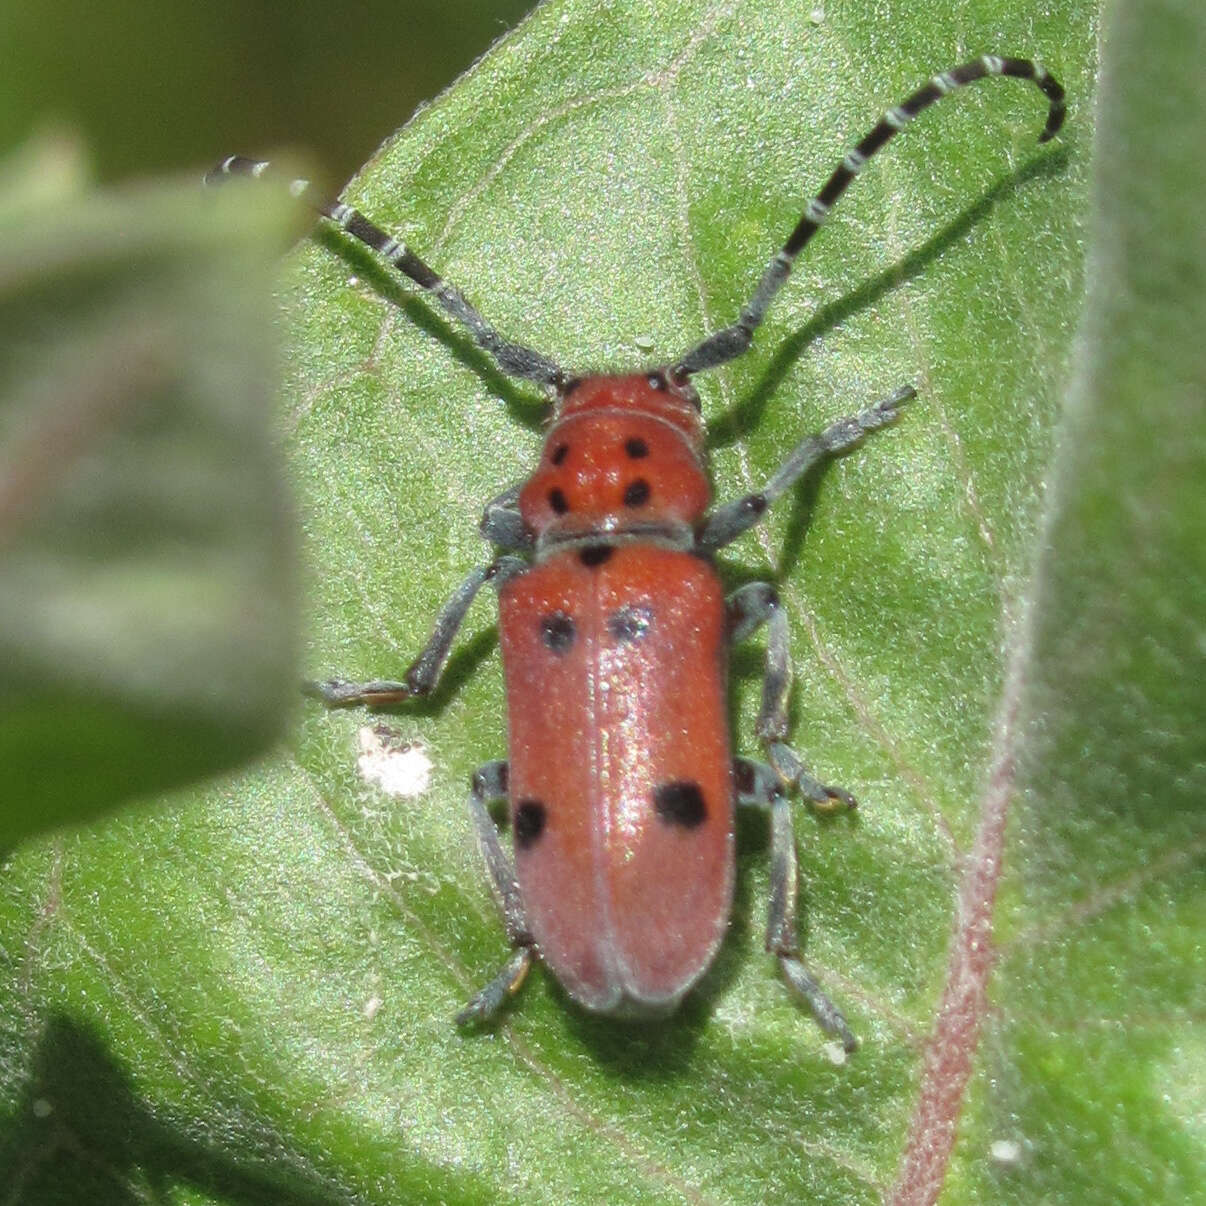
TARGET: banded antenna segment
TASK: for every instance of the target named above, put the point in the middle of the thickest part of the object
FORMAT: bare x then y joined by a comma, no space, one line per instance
731,341
512,358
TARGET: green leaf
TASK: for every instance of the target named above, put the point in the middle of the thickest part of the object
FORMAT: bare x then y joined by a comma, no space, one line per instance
1094,1065
248,997
145,615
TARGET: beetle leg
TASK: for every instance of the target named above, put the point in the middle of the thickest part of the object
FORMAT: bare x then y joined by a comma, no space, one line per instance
729,521
754,604
490,783
502,524
424,671
760,785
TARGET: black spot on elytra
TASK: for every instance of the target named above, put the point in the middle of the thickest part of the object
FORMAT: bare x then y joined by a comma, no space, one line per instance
629,623
680,802
557,631
595,554
559,453
530,816
636,493
636,447
557,501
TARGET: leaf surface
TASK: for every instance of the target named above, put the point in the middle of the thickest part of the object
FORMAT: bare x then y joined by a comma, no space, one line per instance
255,988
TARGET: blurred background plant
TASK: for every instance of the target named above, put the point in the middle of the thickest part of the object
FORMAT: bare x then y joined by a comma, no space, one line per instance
154,88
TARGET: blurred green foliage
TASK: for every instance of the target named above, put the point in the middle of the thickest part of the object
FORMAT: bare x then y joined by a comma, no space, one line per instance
175,85
147,616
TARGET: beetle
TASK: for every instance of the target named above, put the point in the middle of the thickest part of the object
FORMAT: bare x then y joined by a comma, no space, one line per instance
614,631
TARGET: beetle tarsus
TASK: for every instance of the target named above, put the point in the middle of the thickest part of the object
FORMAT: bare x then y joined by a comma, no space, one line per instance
828,1015
342,693
794,773
488,1003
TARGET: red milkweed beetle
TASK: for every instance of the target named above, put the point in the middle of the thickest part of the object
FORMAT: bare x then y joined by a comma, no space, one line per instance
614,633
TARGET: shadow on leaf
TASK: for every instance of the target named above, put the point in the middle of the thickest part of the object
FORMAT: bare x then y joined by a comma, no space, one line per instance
80,1132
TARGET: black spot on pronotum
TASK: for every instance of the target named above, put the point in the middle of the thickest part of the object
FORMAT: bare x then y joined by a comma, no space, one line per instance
558,501
530,816
636,447
559,453
636,493
557,631
629,623
680,802
595,554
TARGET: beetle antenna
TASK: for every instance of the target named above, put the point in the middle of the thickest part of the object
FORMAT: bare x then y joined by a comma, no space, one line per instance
511,358
727,344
